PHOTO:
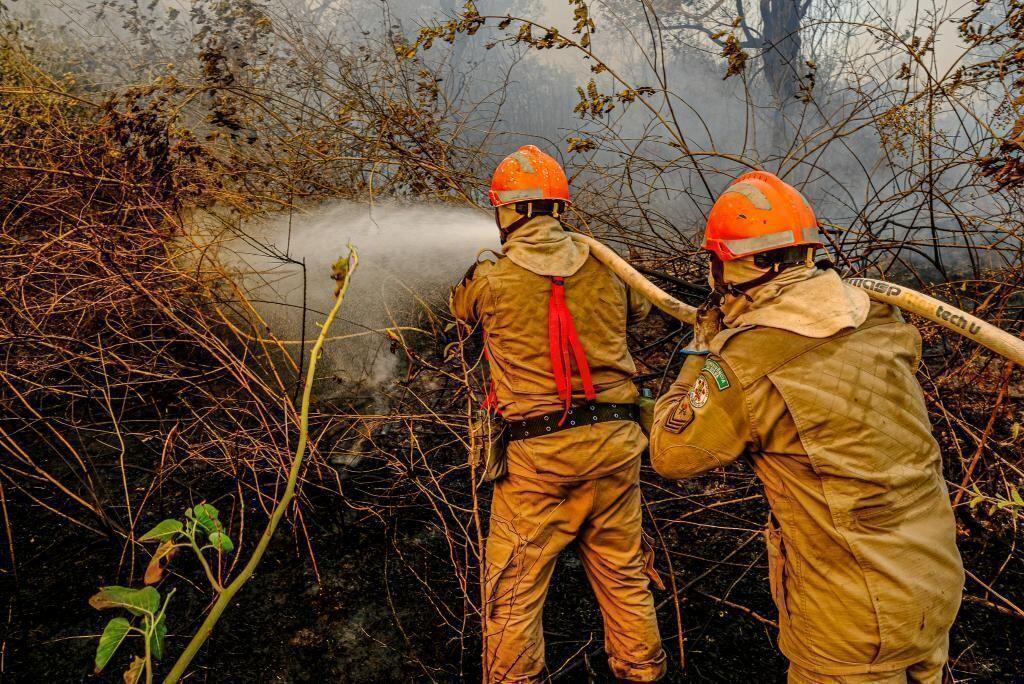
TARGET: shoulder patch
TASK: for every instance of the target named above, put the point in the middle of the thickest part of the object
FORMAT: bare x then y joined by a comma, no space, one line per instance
717,373
680,418
699,393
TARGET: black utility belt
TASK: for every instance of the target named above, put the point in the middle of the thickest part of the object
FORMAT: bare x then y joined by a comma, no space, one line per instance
577,416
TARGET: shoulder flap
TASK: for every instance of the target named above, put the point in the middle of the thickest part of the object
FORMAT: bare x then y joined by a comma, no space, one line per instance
482,266
755,351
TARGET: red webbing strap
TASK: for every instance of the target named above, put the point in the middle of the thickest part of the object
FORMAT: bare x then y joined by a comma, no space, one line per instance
490,402
563,338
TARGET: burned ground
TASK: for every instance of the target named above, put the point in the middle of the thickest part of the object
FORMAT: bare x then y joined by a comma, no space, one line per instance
137,379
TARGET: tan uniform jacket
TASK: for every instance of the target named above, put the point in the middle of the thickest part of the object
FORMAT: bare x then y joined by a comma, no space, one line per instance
863,562
511,304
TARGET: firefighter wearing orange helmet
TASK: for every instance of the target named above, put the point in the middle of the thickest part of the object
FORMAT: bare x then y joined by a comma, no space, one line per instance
816,386
554,321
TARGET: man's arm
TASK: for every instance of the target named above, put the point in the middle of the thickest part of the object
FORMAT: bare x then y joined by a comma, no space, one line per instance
467,299
638,306
701,423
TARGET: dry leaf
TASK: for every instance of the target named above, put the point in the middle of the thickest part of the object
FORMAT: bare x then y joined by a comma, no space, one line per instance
155,569
134,672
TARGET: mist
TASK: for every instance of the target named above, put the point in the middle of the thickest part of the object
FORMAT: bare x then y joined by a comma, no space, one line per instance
409,258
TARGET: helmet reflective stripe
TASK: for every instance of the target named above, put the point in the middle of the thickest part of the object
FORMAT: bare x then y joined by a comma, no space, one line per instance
811,235
761,243
506,196
756,197
524,161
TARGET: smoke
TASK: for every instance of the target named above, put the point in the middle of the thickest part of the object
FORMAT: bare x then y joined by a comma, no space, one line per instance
409,257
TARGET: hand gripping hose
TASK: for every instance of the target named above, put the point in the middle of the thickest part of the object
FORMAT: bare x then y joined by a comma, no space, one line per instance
971,327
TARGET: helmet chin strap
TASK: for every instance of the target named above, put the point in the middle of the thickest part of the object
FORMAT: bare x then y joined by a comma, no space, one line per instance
775,267
506,231
527,213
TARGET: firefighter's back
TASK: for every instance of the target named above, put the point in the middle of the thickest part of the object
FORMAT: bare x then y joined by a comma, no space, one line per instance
513,310
862,503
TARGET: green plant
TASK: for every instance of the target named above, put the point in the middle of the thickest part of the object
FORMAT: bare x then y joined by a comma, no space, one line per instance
147,619
997,502
201,531
201,521
342,275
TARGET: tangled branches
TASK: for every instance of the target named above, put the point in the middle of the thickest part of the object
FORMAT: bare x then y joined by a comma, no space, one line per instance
115,342
135,366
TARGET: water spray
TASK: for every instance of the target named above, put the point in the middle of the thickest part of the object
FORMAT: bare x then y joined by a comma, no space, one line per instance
949,317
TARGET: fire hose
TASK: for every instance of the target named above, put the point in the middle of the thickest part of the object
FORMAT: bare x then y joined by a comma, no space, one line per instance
949,317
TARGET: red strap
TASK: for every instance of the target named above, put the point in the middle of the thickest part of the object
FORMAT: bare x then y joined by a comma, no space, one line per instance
490,402
563,338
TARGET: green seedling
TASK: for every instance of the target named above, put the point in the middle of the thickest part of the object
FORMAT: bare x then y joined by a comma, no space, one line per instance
202,532
145,618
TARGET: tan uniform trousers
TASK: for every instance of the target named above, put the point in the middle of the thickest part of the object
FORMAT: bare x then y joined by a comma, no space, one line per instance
532,521
928,671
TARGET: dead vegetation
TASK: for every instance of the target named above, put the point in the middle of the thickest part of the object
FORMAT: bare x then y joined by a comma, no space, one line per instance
136,375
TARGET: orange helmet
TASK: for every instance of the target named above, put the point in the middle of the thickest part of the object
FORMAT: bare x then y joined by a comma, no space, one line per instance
528,174
758,213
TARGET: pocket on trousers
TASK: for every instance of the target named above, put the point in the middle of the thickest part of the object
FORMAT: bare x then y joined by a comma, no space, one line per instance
647,547
777,569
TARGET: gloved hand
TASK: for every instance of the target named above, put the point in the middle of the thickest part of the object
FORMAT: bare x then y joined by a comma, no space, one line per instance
707,325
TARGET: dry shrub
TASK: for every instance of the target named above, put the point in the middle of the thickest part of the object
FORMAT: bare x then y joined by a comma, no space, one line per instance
115,340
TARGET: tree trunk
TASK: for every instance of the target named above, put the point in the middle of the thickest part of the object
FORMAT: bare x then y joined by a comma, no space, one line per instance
780,21
780,27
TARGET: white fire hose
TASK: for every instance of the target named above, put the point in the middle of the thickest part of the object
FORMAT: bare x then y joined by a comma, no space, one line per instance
961,322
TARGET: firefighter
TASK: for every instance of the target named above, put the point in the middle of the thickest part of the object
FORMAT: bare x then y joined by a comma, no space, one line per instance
816,385
554,323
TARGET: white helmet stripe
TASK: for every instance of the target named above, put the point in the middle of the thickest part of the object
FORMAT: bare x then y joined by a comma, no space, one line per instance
760,243
519,195
523,160
752,193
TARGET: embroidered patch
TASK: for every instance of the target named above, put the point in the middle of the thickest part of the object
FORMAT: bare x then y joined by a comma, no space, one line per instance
717,374
680,418
699,393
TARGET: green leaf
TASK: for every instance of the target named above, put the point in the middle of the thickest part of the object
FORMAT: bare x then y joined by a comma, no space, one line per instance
205,516
113,634
163,531
156,639
221,542
135,601
1015,495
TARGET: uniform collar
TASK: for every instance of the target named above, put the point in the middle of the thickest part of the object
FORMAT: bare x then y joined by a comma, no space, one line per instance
806,301
541,246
